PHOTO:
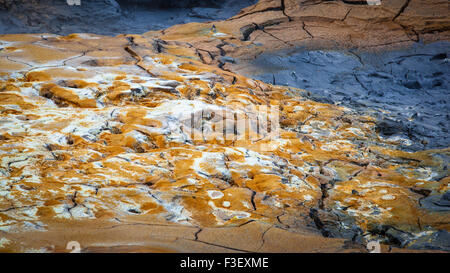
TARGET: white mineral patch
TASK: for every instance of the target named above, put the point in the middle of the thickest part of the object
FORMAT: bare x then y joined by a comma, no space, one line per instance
337,145
4,242
211,159
298,108
355,131
378,184
192,181
181,108
36,250
388,197
221,213
246,204
215,194
220,34
298,183
87,36
398,139
307,197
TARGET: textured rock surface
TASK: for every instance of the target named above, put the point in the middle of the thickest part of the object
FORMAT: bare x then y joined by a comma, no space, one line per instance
274,24
408,89
92,129
95,144
109,17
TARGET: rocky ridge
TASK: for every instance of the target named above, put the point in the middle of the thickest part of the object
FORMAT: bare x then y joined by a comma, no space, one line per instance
372,58
272,25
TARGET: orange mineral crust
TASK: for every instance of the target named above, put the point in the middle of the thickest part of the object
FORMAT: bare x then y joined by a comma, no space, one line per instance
121,145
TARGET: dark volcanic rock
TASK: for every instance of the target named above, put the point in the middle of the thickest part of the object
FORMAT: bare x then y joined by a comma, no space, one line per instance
109,17
22,16
437,202
397,237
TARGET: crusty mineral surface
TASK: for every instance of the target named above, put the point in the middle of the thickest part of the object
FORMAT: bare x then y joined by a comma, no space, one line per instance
152,142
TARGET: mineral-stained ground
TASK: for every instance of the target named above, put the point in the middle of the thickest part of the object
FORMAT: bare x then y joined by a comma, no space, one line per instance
113,141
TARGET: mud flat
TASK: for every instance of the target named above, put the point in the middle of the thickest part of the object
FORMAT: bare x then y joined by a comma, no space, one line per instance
407,90
131,143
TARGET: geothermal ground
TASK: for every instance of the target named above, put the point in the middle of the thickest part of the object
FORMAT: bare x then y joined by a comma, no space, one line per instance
132,142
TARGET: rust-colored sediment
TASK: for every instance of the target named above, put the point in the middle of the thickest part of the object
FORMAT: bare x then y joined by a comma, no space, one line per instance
94,147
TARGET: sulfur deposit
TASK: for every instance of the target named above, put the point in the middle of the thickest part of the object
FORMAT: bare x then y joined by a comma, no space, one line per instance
132,143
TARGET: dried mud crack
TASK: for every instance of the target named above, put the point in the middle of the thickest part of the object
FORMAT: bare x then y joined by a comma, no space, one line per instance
138,136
